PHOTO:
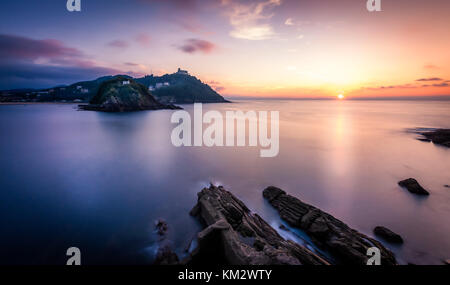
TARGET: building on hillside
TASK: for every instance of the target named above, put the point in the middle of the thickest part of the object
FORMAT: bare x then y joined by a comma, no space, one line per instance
183,72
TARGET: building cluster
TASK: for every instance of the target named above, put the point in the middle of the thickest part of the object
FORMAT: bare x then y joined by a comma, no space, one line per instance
158,86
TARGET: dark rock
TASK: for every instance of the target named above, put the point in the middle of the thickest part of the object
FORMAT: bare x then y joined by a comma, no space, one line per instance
165,255
447,261
438,136
413,186
123,94
346,244
161,227
388,235
233,235
283,227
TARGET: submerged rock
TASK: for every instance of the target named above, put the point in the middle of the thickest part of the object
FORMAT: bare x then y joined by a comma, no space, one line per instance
161,227
388,235
413,186
346,244
233,235
165,255
123,94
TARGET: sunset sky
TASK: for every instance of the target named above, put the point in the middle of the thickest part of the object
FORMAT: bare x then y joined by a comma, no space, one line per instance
266,48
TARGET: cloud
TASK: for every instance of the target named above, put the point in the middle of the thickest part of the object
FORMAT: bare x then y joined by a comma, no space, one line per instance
175,4
118,44
12,46
197,45
289,22
249,19
216,86
442,84
143,39
26,62
414,85
402,86
430,79
430,66
255,33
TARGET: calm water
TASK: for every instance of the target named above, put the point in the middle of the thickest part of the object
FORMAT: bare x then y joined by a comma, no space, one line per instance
99,181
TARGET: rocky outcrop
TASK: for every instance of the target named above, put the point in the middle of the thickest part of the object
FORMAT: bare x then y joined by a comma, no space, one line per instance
438,136
234,235
413,186
388,235
346,244
123,94
165,254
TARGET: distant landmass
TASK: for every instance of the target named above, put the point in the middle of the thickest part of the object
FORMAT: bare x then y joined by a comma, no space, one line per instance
123,94
176,88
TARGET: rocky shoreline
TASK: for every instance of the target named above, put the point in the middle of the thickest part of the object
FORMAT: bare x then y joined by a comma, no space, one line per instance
233,235
347,245
437,136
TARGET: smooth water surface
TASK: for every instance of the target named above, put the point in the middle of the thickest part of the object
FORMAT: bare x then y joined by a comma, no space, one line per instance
99,181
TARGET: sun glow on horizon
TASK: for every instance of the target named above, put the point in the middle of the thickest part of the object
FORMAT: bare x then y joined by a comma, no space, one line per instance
340,96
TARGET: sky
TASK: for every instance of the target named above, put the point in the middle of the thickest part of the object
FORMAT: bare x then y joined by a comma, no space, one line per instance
261,48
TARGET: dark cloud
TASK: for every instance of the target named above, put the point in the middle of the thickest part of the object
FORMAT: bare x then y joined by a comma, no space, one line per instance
118,44
443,84
430,79
196,45
31,63
29,49
175,4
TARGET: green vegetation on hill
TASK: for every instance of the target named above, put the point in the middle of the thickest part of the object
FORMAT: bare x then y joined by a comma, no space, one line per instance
176,88
123,94
182,89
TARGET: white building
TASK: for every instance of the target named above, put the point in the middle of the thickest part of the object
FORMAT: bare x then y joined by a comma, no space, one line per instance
126,82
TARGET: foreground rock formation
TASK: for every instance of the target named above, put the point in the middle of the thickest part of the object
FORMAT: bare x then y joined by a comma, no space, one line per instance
165,254
413,186
388,235
346,244
234,235
122,94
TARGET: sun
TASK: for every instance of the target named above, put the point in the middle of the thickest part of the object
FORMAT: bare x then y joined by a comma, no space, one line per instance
340,96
